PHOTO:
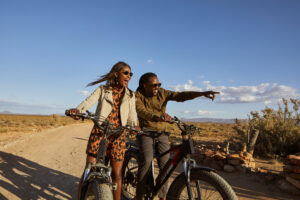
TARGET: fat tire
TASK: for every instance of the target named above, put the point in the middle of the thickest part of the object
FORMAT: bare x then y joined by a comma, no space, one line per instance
129,155
210,177
98,191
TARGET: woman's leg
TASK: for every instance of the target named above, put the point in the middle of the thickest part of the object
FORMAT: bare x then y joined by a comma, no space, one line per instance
89,159
117,177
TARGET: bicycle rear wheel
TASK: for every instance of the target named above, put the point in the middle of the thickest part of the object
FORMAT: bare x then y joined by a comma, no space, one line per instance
98,191
204,184
130,171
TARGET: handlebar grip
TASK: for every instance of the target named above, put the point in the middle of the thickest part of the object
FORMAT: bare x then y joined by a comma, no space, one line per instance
67,112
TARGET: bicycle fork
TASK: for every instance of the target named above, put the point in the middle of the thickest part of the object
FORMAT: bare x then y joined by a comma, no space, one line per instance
188,164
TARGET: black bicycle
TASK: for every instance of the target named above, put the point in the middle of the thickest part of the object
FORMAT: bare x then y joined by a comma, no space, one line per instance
194,183
97,184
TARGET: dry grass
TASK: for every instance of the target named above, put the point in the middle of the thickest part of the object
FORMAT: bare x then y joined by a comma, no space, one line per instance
35,123
32,123
215,129
211,133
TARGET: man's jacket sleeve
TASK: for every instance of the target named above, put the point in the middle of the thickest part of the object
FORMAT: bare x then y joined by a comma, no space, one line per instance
143,112
177,96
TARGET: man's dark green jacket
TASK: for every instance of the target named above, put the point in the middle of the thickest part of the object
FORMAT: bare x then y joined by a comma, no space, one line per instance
150,109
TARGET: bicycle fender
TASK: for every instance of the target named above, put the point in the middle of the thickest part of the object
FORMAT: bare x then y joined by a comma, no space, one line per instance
204,168
95,175
83,191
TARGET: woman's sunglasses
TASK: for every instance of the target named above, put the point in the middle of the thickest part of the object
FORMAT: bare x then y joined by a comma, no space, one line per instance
127,72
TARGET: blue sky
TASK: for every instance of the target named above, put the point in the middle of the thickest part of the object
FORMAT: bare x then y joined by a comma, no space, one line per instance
247,50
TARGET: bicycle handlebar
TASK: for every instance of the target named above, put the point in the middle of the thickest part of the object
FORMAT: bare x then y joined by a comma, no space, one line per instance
107,126
187,129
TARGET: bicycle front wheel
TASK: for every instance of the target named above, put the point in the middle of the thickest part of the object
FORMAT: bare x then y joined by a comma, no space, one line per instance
129,172
205,185
98,191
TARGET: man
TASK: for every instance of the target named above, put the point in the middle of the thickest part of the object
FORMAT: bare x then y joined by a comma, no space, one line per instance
151,101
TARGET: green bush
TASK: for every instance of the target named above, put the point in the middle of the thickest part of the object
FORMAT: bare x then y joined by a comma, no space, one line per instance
279,132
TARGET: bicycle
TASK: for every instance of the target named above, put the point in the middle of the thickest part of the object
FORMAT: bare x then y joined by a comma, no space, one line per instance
194,183
97,182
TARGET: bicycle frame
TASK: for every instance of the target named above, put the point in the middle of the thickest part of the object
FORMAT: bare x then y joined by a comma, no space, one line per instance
193,180
101,170
180,152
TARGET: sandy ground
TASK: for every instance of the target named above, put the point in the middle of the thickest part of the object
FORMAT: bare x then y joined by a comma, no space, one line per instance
48,164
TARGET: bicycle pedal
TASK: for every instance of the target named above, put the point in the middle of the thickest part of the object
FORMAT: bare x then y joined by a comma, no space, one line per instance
114,186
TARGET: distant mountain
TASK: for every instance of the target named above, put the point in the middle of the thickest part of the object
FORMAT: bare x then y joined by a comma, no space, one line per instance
210,120
6,112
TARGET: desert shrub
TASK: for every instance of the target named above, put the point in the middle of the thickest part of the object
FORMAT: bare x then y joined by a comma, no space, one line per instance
56,117
279,132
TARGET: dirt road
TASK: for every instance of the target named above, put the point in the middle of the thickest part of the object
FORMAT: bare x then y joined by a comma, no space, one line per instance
47,165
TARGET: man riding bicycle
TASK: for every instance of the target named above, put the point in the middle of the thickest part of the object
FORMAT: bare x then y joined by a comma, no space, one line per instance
151,108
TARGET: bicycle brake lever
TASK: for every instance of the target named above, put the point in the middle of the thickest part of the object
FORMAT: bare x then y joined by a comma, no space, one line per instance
67,112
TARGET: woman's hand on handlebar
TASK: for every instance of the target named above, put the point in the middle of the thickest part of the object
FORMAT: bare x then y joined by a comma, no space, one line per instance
136,131
72,113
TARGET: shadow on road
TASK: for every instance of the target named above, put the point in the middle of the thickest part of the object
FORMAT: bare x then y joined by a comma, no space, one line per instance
84,139
29,180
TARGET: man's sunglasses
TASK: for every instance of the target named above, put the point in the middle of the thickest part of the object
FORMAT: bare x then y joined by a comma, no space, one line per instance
156,85
127,72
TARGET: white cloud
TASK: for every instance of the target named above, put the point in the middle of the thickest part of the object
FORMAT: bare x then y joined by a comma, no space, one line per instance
201,77
267,102
84,92
207,83
265,92
204,112
187,112
149,61
186,87
198,113
231,81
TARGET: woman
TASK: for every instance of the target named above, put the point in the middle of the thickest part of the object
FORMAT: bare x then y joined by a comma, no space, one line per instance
116,104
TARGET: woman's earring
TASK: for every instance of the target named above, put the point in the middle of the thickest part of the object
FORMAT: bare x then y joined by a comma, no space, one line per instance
116,80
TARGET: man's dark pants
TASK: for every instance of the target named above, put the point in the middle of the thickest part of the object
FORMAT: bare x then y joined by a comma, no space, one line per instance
146,154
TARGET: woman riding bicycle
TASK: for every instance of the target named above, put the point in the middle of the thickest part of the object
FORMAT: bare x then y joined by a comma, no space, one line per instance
116,104
151,107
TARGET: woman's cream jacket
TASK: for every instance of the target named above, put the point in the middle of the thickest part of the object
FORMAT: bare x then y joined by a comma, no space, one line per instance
103,95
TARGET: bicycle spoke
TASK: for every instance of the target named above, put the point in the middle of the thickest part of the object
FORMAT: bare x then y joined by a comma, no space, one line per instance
130,178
